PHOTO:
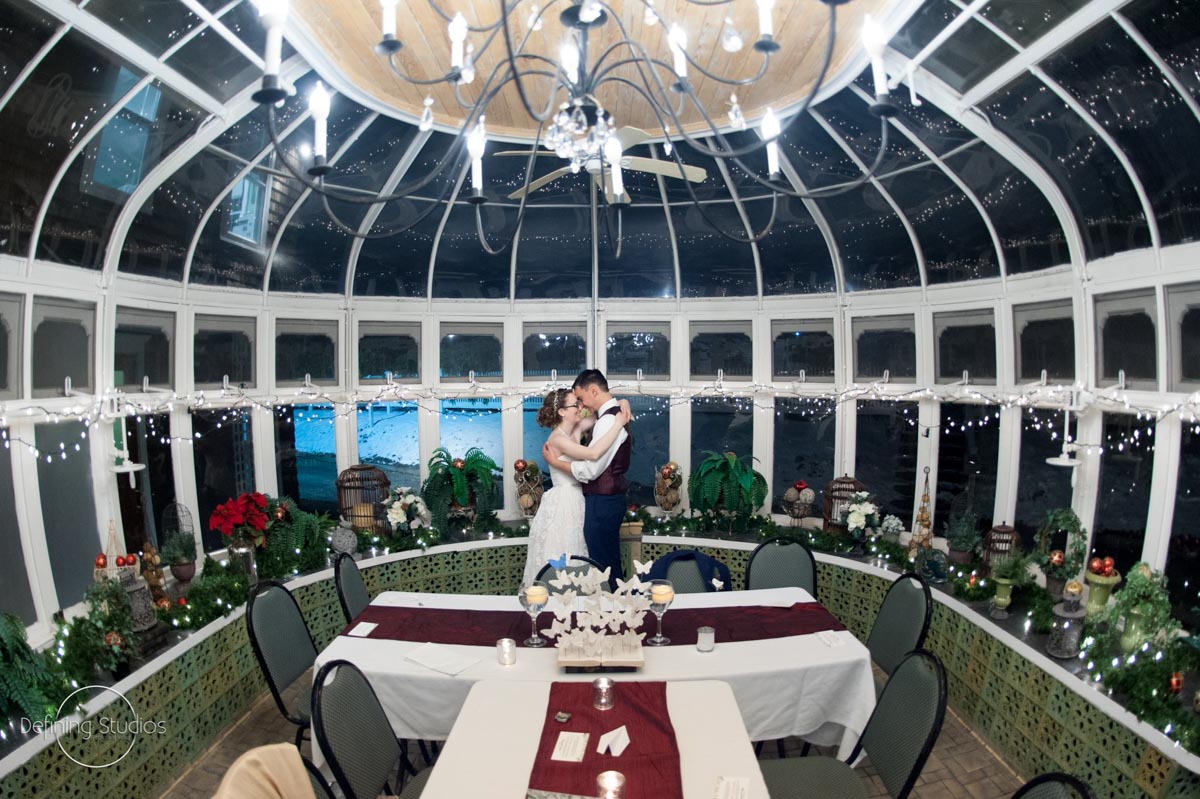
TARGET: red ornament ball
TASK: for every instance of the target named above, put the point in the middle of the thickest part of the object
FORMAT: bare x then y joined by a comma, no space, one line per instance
102,561
1096,566
163,603
519,464
1175,685
1109,566
1057,557
113,639
130,559
182,601
459,463
799,485
120,561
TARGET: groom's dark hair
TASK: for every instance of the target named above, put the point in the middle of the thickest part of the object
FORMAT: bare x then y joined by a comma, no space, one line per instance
591,377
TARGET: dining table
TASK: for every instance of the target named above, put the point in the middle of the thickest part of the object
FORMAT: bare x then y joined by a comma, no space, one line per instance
691,744
793,669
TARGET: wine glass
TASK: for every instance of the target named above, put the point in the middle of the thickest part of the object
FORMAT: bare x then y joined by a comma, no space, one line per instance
662,593
534,597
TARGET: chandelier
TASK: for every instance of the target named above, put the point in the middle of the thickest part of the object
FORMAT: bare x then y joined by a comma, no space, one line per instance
572,124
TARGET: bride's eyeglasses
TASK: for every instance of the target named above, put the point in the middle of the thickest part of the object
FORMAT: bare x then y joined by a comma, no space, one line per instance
572,405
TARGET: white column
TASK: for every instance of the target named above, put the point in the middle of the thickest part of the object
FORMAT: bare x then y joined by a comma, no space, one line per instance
1008,465
1086,476
1155,546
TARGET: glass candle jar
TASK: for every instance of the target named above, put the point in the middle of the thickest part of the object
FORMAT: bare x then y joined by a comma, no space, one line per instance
610,785
506,651
602,694
706,639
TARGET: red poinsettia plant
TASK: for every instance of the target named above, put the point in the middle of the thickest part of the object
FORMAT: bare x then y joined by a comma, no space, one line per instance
243,519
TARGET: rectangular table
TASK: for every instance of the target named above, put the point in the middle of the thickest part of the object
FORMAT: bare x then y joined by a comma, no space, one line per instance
491,750
796,685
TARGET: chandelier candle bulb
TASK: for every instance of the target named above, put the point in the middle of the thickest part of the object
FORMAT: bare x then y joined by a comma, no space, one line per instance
770,130
318,106
388,20
874,41
649,16
765,28
273,14
458,34
476,143
731,40
612,153
677,40
568,54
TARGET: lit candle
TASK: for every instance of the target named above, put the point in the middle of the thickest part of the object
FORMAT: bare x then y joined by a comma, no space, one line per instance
706,639
874,41
318,106
610,785
536,595
568,56
662,594
677,41
612,153
458,34
476,142
273,14
388,7
506,651
770,131
764,17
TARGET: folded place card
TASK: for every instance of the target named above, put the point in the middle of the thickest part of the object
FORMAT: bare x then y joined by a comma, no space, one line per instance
732,788
570,747
830,638
615,741
445,659
362,629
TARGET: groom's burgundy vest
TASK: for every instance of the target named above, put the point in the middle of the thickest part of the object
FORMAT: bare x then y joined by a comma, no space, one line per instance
612,479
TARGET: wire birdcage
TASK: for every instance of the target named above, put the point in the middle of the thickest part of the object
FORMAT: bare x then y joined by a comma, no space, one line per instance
1000,542
176,520
361,491
838,494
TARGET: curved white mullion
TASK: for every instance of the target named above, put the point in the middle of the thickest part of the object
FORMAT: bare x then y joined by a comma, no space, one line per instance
216,202
737,203
373,212
32,64
1163,67
666,208
1106,137
954,178
437,237
912,233
818,217
214,21
304,195
238,107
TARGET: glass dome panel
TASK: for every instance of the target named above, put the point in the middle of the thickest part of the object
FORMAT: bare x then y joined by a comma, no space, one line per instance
712,188
398,266
1123,89
1095,185
711,265
1027,20
554,254
313,251
462,268
885,458
1030,234
971,52
927,122
794,258
24,29
502,175
154,25
754,163
1173,29
847,114
95,189
646,267
60,101
215,65
436,168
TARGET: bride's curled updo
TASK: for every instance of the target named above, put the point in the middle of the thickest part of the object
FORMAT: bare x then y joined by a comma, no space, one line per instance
554,402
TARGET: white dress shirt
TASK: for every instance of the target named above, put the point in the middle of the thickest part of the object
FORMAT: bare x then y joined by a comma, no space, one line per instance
586,471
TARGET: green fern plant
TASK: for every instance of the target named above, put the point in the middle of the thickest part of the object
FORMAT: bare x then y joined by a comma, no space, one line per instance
725,482
25,678
463,481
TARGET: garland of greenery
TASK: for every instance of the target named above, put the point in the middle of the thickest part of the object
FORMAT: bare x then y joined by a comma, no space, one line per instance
1075,550
27,682
214,594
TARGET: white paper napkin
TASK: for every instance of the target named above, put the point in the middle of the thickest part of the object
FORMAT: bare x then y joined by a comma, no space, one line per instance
362,629
615,741
441,658
570,747
732,788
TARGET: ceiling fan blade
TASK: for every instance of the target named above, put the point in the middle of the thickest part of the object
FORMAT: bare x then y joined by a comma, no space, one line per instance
534,185
525,153
631,137
668,169
604,185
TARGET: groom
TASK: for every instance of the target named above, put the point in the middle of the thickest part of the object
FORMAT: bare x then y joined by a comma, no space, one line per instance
604,478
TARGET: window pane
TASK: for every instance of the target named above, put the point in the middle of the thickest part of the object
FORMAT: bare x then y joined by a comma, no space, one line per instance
388,347
1027,20
306,456
24,29
646,267
1045,340
716,266
1094,183
729,350
17,596
964,59
1189,331
795,257
62,345
1040,486
1125,327
398,266
71,534
721,424
144,347
11,326
550,346
932,126
223,453
306,348
885,344
533,436
148,441
1173,29
154,25
214,65
469,348
467,423
803,346
885,458
639,345
805,436
1183,554
462,268
651,428
554,254
1126,471
388,439
966,342
223,346
968,451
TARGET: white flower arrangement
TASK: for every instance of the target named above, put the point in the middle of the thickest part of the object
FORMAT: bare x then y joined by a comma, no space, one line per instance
406,511
604,621
861,513
891,525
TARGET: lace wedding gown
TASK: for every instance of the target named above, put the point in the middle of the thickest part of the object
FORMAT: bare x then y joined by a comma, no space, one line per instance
557,529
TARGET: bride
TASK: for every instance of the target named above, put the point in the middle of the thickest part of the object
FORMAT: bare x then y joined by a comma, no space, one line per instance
557,529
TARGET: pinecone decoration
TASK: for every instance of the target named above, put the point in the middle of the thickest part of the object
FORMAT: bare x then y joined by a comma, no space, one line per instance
667,482
529,487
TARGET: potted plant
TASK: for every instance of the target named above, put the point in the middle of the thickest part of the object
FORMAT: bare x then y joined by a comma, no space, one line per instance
962,536
26,681
1008,574
461,484
1060,565
104,637
1102,576
1144,606
724,482
244,522
179,551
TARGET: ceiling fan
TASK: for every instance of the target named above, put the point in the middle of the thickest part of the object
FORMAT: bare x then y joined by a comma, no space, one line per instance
628,137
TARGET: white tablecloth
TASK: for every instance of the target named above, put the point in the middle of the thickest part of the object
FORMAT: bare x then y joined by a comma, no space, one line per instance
478,760
783,686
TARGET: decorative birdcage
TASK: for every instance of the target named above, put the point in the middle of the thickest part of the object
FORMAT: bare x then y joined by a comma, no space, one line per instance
1000,542
838,494
176,520
361,490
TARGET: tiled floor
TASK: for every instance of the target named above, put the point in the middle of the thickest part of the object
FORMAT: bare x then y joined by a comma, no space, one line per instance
960,767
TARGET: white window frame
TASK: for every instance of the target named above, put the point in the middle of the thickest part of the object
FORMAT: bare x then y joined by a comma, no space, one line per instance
551,329
12,310
696,327
945,320
448,328
1120,304
780,327
1180,300
306,327
620,327
142,317
60,309
389,329
866,324
1037,312
210,323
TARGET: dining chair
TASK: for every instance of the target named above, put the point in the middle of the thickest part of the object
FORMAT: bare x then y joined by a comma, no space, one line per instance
575,564
1055,785
356,737
901,623
351,590
283,646
782,562
898,738
320,785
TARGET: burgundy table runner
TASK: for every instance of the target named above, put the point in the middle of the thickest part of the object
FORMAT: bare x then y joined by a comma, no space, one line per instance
485,627
651,761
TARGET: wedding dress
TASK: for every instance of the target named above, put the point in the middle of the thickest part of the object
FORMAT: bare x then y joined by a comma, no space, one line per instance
557,529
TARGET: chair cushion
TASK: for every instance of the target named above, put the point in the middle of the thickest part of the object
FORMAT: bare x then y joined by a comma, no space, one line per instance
811,777
302,708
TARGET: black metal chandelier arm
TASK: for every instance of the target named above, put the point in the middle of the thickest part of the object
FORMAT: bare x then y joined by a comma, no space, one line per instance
529,164
371,234
512,65
504,11
616,251
752,237
449,76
